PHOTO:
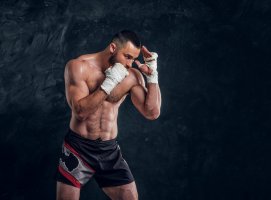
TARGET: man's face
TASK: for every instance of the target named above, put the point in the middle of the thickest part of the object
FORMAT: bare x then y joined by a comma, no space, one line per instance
125,55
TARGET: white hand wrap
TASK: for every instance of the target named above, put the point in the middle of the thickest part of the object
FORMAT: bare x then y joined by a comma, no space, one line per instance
114,75
151,62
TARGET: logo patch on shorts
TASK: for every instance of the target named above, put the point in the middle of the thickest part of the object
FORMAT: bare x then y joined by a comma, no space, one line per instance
71,162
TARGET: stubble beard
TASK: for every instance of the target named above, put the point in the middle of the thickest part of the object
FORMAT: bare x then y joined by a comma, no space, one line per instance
112,60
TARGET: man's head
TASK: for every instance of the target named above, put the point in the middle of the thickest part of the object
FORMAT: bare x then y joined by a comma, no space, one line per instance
124,48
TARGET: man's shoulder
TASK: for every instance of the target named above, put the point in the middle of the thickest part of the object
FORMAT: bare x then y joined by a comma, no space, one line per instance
79,64
137,76
76,69
76,64
73,64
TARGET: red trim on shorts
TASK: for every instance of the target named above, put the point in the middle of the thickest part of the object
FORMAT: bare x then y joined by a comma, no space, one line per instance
77,154
74,181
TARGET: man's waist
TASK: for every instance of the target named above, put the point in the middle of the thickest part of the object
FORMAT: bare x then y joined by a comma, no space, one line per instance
76,138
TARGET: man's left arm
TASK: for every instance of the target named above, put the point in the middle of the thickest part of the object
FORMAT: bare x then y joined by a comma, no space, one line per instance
147,100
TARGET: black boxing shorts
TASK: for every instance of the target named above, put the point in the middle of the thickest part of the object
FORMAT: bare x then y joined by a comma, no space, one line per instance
82,159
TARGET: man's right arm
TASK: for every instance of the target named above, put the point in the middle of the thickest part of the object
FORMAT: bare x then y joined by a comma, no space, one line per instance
81,101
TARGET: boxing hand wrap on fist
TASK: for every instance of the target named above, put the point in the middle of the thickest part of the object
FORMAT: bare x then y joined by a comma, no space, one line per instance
114,75
151,62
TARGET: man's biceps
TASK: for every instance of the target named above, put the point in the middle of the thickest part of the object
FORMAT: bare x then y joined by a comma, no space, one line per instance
76,93
138,94
138,102
79,88
138,89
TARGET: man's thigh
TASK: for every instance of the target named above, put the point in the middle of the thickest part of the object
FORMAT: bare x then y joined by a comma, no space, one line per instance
66,192
127,192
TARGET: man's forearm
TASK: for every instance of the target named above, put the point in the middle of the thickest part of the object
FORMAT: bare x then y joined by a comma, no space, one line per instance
84,107
153,100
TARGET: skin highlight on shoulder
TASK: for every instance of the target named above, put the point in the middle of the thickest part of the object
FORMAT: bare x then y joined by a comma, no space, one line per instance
137,76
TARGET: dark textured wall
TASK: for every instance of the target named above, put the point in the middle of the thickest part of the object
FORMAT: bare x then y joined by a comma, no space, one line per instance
212,138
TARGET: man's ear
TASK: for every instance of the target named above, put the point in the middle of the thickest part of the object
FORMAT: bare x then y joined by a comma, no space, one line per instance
113,47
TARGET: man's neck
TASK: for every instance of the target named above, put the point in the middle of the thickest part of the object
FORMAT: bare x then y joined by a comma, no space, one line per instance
103,57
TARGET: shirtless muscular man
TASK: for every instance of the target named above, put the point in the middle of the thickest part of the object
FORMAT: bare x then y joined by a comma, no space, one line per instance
96,85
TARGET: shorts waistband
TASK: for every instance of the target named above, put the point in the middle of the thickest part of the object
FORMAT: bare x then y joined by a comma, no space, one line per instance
73,135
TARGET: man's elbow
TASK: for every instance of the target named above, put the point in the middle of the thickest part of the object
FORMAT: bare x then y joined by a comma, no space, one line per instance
79,114
153,115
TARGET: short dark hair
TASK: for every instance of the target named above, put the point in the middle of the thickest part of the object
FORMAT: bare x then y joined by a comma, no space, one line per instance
126,35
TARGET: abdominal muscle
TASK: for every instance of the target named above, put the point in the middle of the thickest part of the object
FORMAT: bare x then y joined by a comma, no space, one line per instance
101,124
